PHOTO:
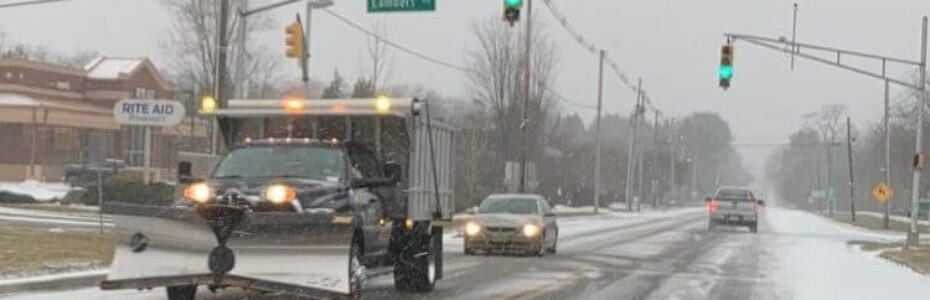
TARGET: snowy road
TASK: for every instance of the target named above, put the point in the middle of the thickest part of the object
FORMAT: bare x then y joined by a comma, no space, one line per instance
657,255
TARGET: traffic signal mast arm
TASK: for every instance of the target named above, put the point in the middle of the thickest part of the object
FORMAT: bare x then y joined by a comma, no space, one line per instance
785,46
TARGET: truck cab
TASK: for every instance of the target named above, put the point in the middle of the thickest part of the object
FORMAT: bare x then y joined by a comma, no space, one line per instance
308,198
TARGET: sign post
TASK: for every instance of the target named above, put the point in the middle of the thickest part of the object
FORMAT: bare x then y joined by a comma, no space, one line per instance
149,113
379,6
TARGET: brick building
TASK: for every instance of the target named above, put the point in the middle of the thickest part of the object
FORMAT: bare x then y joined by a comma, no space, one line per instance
53,115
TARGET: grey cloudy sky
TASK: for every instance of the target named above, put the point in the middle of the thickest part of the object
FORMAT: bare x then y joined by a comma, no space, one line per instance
672,45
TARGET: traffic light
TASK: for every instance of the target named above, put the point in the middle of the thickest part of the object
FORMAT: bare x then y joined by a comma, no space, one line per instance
725,72
294,40
208,104
512,11
920,161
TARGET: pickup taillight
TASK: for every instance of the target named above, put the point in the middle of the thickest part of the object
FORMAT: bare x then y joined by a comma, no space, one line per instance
713,205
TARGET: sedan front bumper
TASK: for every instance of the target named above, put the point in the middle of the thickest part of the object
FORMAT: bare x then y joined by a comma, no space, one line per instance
505,242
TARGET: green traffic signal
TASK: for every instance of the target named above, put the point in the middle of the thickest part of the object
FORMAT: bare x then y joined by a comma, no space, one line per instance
725,71
513,3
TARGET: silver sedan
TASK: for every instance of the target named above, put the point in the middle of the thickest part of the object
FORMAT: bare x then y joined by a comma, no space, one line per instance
512,223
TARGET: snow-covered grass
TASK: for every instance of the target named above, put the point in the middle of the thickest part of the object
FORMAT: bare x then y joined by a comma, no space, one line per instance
40,191
814,261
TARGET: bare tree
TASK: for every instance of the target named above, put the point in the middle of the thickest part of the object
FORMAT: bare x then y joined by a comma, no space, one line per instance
379,59
191,44
496,67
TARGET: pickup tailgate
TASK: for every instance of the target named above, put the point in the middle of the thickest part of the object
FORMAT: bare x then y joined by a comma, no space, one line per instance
736,206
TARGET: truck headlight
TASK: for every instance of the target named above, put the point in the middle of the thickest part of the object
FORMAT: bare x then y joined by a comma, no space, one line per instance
472,228
280,193
530,230
198,192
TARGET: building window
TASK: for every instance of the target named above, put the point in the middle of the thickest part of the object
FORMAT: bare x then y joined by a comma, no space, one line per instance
136,149
66,138
95,145
63,85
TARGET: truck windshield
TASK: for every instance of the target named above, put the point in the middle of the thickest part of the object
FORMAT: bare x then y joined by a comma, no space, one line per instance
283,161
520,206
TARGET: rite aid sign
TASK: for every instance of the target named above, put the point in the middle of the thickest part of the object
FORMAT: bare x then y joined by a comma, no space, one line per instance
148,112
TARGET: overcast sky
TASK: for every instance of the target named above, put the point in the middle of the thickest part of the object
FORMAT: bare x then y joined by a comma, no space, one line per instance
673,45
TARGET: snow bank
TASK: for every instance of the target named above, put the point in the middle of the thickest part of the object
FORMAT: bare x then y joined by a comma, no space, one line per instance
892,217
40,191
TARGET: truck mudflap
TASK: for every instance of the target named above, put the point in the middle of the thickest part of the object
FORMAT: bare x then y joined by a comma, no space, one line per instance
280,252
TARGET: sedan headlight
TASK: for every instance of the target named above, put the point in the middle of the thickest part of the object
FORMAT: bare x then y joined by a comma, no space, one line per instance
472,228
531,230
280,193
198,192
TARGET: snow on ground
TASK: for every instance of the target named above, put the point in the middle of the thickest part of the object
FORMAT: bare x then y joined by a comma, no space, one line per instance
815,262
51,277
47,217
40,191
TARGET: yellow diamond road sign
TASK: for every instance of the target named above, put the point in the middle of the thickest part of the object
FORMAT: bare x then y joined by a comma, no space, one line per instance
882,192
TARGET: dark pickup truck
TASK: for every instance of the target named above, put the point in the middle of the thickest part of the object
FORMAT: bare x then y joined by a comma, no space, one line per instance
734,207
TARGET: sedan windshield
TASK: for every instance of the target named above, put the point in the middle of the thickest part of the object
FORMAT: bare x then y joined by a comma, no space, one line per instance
283,161
508,206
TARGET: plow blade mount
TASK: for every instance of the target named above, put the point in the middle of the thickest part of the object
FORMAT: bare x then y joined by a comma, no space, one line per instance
294,253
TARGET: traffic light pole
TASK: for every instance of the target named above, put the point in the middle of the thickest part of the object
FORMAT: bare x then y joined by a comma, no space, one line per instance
783,45
913,235
597,135
885,205
524,122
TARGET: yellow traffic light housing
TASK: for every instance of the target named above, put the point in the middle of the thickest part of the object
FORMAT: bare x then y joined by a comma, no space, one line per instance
294,40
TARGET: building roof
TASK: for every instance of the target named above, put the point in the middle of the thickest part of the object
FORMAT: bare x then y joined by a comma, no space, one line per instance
9,99
112,68
116,68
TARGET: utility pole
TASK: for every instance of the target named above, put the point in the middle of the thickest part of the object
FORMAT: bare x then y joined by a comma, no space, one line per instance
220,84
640,162
913,236
673,157
831,201
241,81
631,148
524,123
852,189
655,160
693,189
887,157
597,135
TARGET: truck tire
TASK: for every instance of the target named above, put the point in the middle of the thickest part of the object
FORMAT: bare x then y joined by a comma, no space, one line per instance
182,292
356,270
415,268
555,244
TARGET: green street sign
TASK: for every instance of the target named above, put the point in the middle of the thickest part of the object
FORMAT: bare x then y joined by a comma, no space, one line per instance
401,5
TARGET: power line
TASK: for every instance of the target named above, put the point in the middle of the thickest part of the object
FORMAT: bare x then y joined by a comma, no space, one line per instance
437,61
594,49
25,3
395,45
